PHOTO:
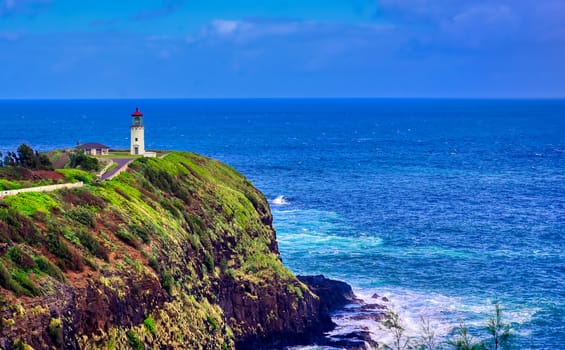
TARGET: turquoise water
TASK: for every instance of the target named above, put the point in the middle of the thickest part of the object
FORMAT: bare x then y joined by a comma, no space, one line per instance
444,206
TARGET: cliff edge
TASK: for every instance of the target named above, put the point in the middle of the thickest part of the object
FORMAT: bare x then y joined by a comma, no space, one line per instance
175,253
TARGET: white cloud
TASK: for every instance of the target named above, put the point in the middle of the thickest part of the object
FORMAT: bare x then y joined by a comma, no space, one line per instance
225,26
244,31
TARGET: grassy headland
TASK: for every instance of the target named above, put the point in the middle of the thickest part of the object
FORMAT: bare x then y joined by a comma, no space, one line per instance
176,252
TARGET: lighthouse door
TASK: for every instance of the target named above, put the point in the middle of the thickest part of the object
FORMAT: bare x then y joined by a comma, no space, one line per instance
136,150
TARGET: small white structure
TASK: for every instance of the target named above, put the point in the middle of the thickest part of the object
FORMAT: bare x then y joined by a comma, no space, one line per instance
95,149
137,133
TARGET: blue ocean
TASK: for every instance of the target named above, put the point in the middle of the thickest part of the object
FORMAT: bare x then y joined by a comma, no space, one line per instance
443,206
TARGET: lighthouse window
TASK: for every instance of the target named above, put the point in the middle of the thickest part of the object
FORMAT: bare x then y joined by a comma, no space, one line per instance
136,139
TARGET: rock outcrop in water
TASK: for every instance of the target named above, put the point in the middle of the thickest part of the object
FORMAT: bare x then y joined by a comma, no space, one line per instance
337,298
175,253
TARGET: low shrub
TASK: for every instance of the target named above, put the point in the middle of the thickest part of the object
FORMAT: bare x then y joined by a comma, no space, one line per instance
20,345
212,322
149,324
82,215
143,232
81,197
167,281
49,268
134,341
23,280
209,261
55,330
9,283
77,175
126,237
154,263
93,245
17,227
20,258
69,259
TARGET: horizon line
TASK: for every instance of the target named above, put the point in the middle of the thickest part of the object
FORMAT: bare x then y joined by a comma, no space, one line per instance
277,98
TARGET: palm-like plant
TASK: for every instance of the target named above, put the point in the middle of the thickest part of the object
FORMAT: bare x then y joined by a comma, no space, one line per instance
462,340
499,330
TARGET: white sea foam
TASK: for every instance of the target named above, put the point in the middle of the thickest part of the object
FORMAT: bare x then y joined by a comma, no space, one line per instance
440,310
280,200
443,312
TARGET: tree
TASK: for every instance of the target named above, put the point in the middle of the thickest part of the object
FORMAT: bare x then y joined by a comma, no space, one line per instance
26,157
393,323
43,161
11,159
79,159
428,339
462,340
499,330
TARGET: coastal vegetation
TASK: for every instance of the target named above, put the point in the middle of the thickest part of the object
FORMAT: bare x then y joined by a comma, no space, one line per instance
79,159
497,335
28,168
26,157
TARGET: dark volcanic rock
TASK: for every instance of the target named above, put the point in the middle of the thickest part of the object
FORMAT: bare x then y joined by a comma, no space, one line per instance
337,298
358,340
288,322
333,294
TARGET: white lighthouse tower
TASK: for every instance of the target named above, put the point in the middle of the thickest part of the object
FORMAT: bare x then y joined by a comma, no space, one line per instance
137,133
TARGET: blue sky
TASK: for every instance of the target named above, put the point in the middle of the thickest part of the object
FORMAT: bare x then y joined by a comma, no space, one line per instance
282,48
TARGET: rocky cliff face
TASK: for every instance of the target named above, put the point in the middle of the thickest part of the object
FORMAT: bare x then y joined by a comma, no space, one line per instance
176,253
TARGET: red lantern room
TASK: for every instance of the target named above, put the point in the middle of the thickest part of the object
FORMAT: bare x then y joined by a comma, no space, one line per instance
137,118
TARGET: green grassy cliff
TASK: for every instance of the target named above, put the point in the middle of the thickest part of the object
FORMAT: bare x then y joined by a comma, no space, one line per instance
175,253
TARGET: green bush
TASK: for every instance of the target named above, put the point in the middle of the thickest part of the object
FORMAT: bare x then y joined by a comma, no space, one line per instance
170,207
142,232
17,227
134,341
154,263
252,199
8,282
93,245
167,281
55,330
23,280
209,261
20,345
196,224
212,322
83,161
77,175
149,324
68,258
126,237
49,268
20,258
82,215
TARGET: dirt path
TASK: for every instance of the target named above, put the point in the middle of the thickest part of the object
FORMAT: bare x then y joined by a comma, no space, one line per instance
122,165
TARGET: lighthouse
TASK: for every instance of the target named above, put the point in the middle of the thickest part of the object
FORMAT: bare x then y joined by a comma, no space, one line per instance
137,133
